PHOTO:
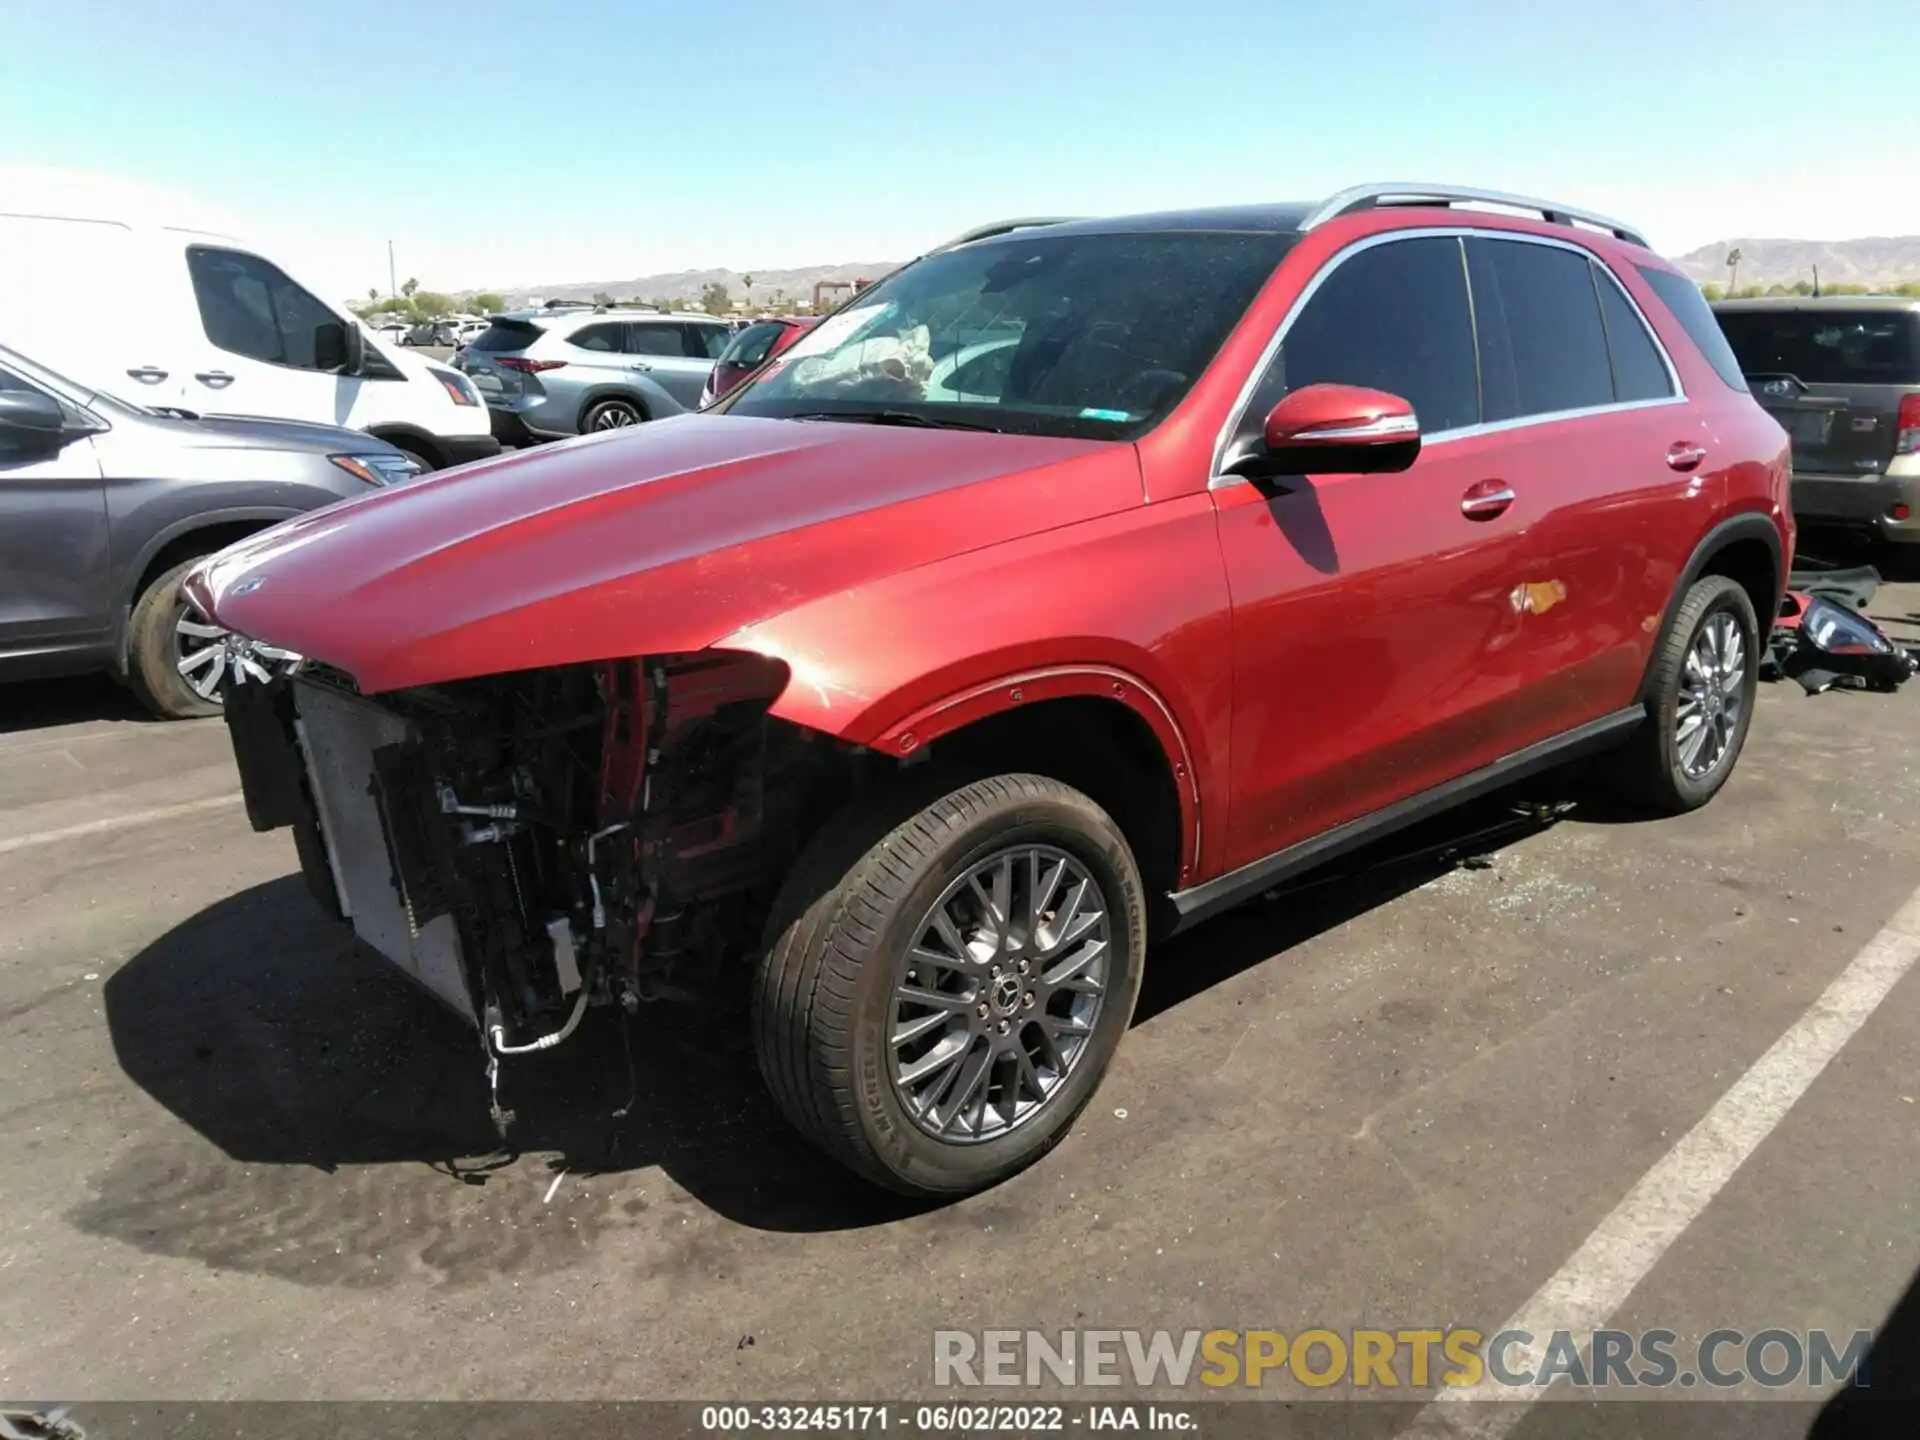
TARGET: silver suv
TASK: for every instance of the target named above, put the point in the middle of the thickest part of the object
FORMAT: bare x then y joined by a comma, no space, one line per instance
554,372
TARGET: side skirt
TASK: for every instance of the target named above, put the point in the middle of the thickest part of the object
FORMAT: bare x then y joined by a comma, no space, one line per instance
1204,901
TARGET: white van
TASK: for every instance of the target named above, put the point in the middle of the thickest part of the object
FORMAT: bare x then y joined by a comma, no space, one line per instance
147,296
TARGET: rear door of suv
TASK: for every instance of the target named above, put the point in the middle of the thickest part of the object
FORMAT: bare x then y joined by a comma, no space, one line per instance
1607,460
1833,376
1372,614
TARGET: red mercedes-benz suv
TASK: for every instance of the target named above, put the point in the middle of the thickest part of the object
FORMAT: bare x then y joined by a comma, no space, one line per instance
1073,583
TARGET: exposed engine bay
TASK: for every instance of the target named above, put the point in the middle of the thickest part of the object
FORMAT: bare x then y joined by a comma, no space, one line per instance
526,846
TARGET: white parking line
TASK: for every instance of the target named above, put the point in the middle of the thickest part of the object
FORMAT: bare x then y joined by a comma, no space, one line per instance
1616,1257
117,822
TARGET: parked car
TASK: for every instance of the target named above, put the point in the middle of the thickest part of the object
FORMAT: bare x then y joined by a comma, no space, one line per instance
1842,376
393,332
431,332
750,348
105,505
220,327
1285,526
548,373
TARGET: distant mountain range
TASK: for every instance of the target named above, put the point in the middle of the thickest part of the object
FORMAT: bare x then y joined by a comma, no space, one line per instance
1880,261
769,286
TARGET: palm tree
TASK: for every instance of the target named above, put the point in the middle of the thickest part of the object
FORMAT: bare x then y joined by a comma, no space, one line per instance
1733,270
408,288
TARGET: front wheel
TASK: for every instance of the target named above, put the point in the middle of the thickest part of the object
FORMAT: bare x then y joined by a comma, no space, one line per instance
934,1010
1706,674
178,659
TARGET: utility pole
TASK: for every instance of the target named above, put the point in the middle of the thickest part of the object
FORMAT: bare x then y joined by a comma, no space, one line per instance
392,289
1816,282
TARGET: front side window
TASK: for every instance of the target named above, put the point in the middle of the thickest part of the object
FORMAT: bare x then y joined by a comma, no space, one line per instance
1109,331
1543,345
653,338
249,307
705,342
1392,317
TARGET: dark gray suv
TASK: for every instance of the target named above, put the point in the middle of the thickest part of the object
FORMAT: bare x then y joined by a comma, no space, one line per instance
1842,376
104,506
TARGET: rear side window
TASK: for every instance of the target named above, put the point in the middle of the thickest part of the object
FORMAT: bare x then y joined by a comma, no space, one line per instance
1393,317
1689,307
1543,346
1826,347
753,344
598,337
506,335
655,339
1638,371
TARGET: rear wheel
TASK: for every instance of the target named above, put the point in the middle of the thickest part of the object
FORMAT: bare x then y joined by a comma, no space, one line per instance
1700,702
610,415
941,995
178,659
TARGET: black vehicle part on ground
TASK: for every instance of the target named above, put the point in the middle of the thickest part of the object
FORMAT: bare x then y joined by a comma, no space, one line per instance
1821,642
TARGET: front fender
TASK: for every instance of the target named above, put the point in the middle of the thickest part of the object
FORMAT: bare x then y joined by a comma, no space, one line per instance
1130,607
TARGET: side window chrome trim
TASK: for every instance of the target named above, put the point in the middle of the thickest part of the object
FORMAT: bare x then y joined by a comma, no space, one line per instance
1221,442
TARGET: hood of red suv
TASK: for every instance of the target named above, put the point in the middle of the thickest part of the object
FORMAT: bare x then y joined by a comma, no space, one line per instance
663,538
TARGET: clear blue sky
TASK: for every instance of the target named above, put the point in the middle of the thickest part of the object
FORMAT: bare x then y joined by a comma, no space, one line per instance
601,139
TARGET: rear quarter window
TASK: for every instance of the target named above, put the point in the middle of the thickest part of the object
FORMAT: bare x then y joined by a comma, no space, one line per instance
1683,298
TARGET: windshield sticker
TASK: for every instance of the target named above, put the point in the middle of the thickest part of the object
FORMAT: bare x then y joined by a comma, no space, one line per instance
1095,413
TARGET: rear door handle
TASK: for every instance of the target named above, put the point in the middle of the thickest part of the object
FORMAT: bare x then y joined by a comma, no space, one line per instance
148,375
1685,455
216,379
642,366
1486,499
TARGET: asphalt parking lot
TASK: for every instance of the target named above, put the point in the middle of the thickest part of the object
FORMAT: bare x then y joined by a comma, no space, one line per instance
243,1162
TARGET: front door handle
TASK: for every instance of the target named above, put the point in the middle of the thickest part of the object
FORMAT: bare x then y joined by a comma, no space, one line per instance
1685,455
214,379
642,366
148,374
1486,499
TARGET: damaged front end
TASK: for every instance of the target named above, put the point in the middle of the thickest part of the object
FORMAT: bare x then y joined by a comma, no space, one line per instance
525,846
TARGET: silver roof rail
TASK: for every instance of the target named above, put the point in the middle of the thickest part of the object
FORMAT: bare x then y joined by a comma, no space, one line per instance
1001,227
1383,196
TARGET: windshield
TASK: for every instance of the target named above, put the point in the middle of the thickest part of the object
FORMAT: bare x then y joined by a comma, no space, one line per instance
1096,336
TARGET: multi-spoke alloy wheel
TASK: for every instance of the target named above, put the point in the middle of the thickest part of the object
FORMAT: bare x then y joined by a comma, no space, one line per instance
206,653
949,969
999,993
1699,697
1712,696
